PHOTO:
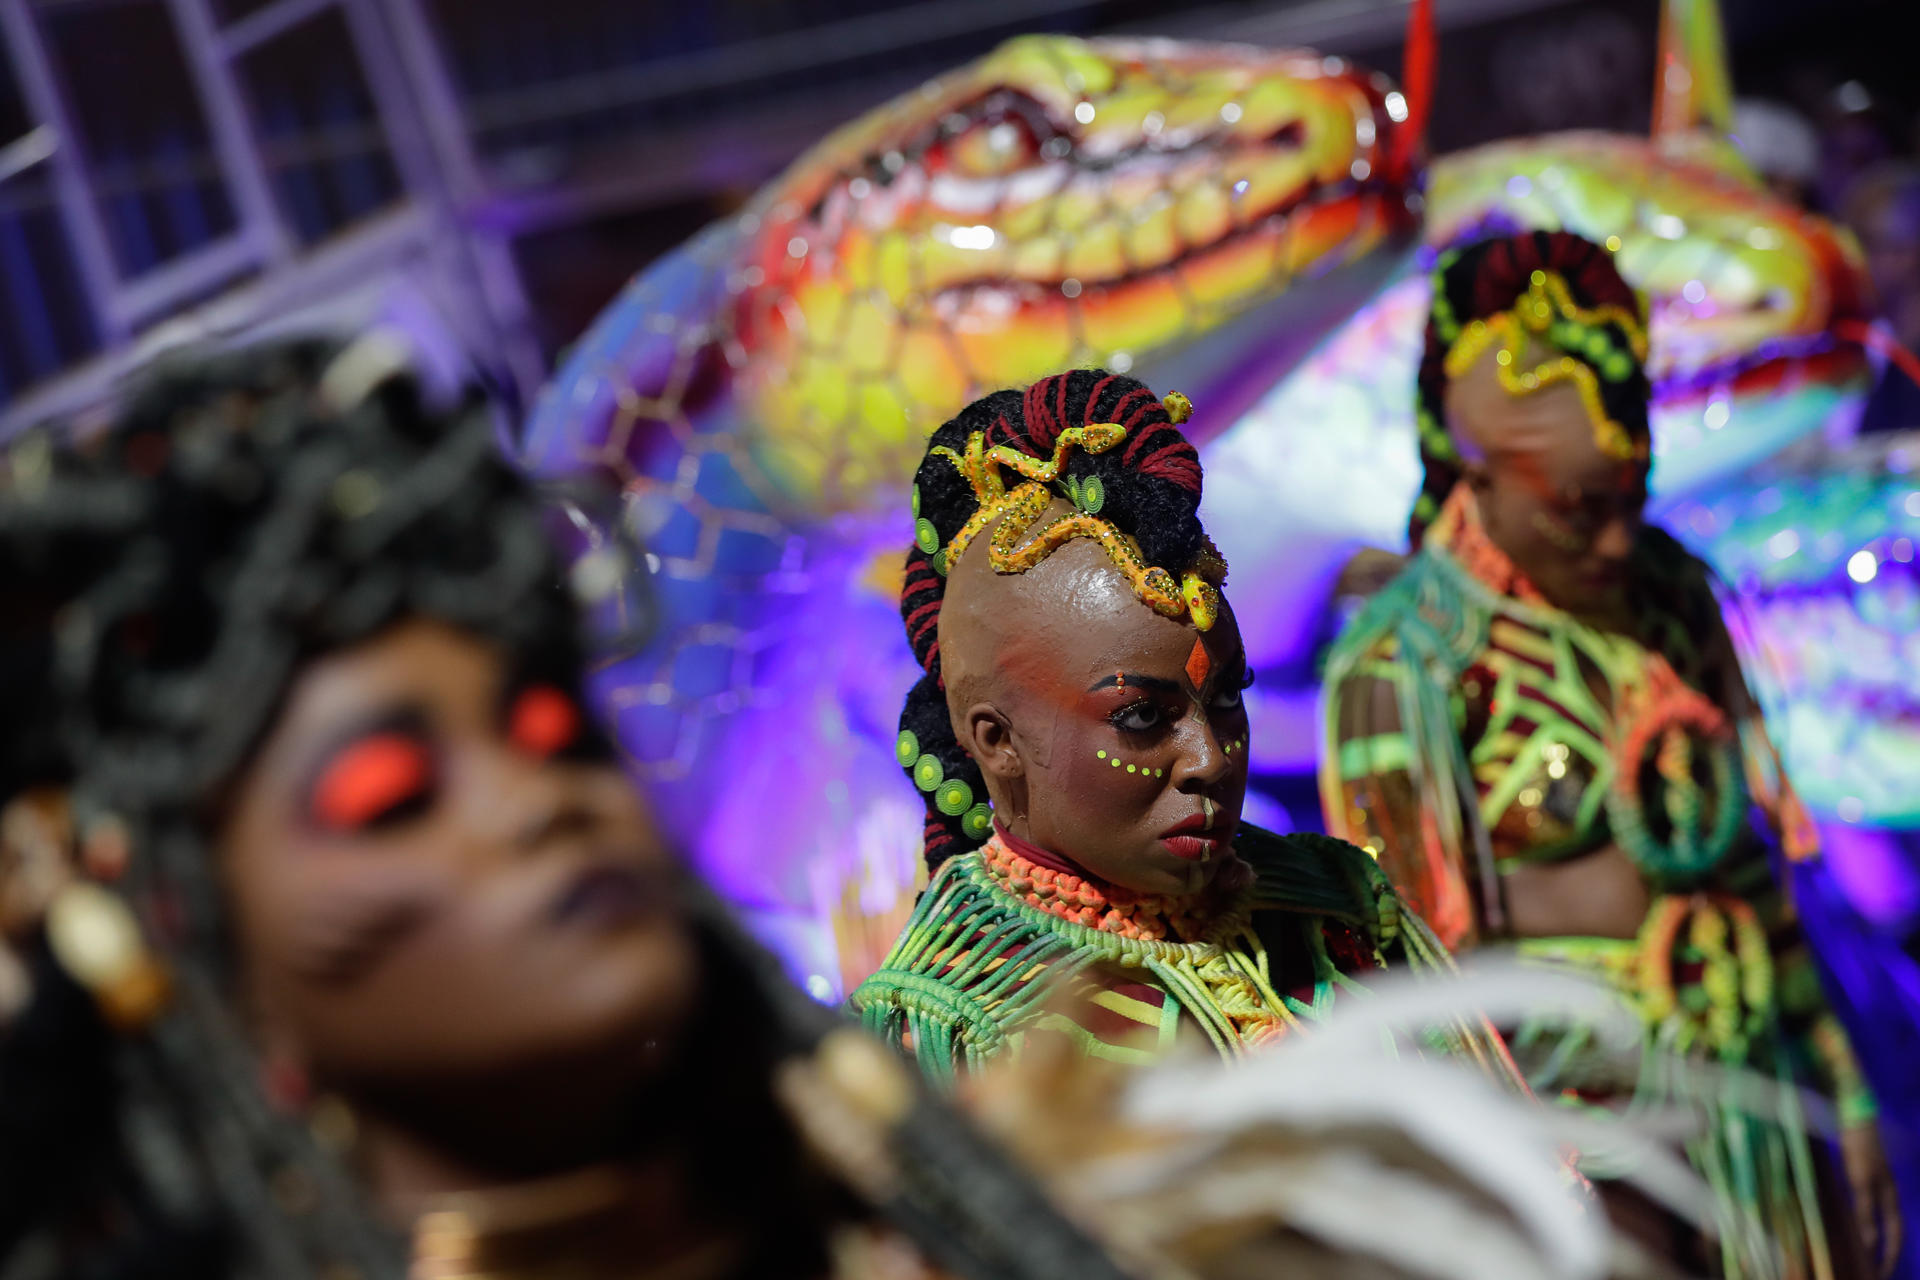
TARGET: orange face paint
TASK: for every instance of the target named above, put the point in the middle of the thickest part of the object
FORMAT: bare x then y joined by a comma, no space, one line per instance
370,779
1199,665
544,721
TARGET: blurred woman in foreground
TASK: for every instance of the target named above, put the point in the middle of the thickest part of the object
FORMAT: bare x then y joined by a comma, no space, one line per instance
427,951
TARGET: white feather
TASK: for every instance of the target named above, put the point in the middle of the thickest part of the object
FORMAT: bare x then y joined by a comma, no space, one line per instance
1418,1162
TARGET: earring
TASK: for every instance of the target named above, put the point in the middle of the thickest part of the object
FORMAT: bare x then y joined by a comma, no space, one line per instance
95,937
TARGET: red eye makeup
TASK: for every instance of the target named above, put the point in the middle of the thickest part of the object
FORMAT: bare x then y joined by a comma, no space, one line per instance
544,721
371,779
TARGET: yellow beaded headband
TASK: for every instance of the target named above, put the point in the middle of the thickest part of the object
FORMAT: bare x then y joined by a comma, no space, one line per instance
1196,595
1547,310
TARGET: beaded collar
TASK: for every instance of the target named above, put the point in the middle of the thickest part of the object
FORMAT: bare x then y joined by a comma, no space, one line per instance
1054,885
1458,532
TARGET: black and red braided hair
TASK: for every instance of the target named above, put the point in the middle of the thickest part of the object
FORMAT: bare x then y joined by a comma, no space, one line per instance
1483,279
1148,486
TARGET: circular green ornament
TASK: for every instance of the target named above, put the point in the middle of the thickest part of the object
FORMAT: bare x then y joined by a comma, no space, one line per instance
1597,344
906,748
1093,495
978,824
939,561
927,773
925,536
953,797
1434,436
916,500
1617,368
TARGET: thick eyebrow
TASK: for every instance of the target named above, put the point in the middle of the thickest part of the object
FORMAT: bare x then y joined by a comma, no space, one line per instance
1127,678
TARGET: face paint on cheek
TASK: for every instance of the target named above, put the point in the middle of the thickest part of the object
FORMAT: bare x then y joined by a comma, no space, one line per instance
1118,762
1038,703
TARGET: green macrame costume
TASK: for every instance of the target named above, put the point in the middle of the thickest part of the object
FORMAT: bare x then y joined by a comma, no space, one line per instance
990,957
1472,728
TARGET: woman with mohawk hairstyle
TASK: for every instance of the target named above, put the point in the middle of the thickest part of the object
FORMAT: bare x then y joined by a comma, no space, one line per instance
1081,741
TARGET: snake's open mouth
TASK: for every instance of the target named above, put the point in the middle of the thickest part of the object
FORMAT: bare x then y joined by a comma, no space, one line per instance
1010,195
1061,203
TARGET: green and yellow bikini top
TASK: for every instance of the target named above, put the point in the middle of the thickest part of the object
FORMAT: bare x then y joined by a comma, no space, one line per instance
1576,736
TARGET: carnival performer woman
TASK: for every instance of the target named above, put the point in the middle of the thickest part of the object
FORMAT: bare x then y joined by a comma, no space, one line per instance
428,954
1081,742
1542,731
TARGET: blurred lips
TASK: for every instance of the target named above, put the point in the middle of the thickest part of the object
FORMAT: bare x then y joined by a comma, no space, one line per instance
608,895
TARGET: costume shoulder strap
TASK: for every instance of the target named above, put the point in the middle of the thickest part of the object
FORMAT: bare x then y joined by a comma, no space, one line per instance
1316,875
946,991
1422,618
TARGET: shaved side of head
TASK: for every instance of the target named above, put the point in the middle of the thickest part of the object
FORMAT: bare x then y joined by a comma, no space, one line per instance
1001,634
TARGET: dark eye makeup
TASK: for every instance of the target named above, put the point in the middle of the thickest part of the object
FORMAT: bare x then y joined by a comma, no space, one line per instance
1138,717
1148,714
1231,697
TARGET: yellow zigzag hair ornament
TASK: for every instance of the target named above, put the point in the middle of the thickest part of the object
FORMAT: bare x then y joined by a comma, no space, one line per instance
1547,301
1196,595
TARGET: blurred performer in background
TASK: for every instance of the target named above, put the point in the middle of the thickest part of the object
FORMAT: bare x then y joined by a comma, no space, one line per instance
1542,731
427,952
1081,742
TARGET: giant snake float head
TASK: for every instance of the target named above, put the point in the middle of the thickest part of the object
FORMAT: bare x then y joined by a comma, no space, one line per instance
1058,203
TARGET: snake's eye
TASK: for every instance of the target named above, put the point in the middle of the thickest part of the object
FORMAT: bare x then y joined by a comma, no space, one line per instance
998,144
